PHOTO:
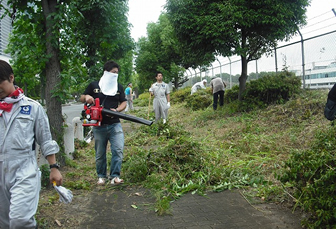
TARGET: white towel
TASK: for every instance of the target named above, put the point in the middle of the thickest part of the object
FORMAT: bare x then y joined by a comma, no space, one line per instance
108,83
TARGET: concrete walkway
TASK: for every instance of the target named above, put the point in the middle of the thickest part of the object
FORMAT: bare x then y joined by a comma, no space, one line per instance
133,207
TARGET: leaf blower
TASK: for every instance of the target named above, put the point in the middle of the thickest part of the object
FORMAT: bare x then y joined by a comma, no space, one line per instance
92,115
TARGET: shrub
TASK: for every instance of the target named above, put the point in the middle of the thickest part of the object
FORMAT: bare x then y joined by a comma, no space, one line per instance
143,100
271,89
231,94
199,100
313,175
180,95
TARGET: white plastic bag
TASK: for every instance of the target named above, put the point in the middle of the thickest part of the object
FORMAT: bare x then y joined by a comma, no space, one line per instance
65,195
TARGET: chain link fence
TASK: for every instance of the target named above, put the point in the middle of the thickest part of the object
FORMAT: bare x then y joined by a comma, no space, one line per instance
312,59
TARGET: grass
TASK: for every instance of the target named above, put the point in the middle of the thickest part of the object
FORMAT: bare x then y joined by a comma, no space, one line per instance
206,150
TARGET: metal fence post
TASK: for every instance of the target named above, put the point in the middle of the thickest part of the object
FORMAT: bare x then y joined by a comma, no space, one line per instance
303,61
195,73
257,68
276,60
230,74
220,68
190,83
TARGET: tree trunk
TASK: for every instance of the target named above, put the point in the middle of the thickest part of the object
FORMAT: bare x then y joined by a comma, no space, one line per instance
43,87
176,83
53,70
243,77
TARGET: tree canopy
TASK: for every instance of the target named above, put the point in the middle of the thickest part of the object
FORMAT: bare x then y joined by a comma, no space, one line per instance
159,52
104,32
89,33
209,28
52,41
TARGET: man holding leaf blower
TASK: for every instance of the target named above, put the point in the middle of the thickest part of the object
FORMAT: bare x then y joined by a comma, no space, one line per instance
111,96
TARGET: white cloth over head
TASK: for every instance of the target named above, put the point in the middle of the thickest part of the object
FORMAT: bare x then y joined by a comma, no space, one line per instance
108,83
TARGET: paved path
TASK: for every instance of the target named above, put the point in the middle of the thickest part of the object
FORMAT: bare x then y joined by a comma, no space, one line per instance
114,208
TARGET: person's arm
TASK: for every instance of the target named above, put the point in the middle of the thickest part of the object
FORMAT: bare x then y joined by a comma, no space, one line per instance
122,100
121,107
131,94
168,100
48,146
168,96
151,91
86,97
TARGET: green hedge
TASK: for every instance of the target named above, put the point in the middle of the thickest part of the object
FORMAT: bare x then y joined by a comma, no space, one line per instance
180,95
199,100
143,100
271,89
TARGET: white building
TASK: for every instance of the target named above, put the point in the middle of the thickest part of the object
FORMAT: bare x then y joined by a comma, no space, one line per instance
5,30
321,76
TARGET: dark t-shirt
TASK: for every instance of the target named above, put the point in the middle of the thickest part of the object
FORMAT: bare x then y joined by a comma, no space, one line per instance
332,94
106,101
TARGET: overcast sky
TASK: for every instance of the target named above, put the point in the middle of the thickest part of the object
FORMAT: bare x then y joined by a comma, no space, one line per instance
142,12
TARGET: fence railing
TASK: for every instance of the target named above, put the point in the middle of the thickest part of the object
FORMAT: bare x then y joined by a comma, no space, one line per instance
313,59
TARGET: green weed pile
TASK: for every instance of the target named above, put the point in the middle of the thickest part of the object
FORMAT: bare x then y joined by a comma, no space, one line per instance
280,149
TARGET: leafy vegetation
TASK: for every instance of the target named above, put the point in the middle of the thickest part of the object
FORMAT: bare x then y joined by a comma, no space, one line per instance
311,174
52,40
199,100
270,89
160,51
283,153
206,28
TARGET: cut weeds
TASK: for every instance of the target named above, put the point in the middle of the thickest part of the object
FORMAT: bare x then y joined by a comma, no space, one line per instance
205,150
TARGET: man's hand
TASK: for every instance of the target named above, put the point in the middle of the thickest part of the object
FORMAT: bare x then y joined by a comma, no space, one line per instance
89,99
86,99
55,175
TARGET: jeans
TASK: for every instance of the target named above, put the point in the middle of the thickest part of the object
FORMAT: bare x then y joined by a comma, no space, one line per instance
215,99
114,134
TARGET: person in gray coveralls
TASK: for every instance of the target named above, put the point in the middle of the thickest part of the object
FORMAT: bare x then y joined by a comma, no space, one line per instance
23,122
161,102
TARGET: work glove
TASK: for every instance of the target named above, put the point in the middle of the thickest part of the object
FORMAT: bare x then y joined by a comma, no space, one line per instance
168,105
150,90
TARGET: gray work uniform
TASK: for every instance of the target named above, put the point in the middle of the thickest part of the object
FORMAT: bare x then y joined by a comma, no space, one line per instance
160,90
20,180
217,85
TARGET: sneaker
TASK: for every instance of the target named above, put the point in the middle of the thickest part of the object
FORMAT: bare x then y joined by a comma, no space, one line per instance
116,181
101,181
